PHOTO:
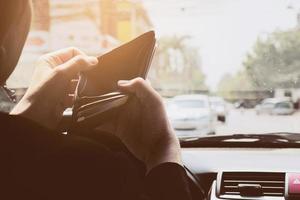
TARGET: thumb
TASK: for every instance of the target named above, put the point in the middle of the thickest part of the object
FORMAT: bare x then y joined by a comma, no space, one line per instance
140,88
77,64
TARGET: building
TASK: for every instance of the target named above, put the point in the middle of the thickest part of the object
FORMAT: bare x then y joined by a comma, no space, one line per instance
124,19
95,26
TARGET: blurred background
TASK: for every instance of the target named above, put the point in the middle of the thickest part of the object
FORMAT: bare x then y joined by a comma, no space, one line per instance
222,66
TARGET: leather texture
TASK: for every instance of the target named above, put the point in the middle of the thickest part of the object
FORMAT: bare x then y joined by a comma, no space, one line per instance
98,87
123,63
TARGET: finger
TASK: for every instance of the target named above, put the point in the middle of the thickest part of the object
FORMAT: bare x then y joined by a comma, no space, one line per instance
77,64
61,56
139,87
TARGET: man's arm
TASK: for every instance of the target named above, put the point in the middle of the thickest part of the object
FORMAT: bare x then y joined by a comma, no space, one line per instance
40,164
167,181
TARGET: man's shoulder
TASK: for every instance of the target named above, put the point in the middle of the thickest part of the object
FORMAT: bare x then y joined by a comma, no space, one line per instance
21,135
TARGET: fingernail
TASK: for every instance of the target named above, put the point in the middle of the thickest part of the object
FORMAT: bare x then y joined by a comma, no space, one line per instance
93,60
123,82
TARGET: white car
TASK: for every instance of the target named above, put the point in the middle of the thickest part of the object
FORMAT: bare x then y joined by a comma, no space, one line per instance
191,115
274,106
218,105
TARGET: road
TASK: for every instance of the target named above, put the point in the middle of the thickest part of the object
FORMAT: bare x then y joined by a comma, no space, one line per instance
247,121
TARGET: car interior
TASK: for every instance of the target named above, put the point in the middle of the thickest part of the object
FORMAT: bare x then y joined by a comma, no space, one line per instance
238,52
245,171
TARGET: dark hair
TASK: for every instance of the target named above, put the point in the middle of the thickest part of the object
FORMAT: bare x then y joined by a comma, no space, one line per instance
15,19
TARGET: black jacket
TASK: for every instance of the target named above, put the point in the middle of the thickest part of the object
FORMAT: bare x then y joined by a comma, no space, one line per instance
39,164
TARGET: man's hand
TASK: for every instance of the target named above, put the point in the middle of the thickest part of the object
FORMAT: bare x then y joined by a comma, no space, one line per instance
144,128
44,101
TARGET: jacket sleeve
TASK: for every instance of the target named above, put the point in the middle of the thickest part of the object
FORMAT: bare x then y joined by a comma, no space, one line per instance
167,181
38,164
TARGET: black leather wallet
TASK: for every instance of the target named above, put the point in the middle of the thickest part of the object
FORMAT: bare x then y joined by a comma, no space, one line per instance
97,98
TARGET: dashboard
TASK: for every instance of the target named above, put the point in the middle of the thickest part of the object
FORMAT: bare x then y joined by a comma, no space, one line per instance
243,173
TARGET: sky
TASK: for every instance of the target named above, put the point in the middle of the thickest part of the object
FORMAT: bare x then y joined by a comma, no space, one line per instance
223,30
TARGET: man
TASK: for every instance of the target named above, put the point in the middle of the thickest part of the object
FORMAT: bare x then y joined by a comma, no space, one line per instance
37,162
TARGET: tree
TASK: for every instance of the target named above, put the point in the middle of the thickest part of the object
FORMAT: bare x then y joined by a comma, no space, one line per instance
236,82
177,66
275,61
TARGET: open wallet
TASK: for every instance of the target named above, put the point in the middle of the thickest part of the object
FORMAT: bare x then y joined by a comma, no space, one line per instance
97,98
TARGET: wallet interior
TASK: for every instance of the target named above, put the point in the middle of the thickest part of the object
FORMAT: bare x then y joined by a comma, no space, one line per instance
97,90
126,62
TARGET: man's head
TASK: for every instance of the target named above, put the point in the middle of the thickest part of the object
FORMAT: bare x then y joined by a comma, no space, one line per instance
15,17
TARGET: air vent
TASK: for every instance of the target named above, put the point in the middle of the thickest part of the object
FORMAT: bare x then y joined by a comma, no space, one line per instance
252,184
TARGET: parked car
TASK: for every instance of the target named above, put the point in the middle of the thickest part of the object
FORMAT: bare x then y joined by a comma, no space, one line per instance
284,108
191,115
275,106
218,105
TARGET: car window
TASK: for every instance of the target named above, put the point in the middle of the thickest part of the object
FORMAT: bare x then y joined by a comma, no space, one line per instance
283,105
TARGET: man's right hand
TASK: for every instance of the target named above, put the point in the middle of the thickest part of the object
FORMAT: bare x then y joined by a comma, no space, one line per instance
144,128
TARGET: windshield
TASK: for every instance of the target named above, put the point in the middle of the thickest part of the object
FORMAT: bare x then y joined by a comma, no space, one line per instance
241,52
